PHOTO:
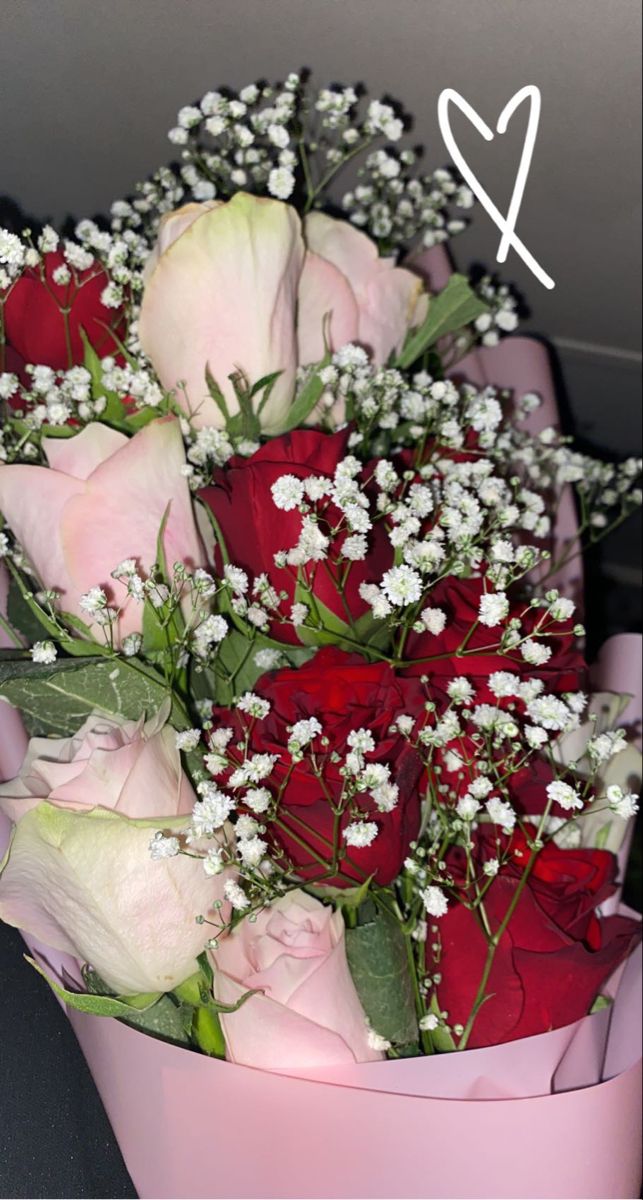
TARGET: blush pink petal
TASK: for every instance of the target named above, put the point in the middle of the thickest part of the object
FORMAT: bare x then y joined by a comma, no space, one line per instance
346,247
33,500
224,295
80,455
309,1013
156,785
95,783
119,515
324,292
387,296
130,767
388,308
171,226
268,1036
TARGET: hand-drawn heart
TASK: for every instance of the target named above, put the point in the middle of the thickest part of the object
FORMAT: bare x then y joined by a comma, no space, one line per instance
507,225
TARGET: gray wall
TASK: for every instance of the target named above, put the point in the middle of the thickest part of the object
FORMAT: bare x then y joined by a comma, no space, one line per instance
89,87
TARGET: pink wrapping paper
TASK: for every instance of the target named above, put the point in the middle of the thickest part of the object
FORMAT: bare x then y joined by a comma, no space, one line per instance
194,1127
619,668
189,1126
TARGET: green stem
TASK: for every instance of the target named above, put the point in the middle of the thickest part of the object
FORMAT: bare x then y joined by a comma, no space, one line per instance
498,935
11,633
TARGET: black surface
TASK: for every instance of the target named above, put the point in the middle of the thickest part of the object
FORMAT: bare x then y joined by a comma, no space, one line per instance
55,1139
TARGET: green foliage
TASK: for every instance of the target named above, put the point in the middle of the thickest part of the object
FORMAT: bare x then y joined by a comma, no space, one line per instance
21,617
438,1040
600,1003
56,699
114,413
379,963
307,400
454,307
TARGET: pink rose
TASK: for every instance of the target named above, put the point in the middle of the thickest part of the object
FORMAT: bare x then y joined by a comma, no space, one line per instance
371,301
309,1014
129,767
246,285
100,501
79,874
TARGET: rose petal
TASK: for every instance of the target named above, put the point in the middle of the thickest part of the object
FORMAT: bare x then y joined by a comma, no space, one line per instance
224,295
80,455
324,292
120,512
87,885
387,296
33,499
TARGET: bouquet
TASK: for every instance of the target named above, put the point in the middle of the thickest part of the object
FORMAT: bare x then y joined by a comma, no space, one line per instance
312,774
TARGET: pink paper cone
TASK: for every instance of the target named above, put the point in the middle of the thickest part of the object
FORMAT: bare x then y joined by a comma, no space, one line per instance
189,1126
193,1127
619,668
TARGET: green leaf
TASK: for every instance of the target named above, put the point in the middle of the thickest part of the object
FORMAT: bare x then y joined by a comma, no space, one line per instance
207,1032
21,617
206,968
266,386
160,632
72,645
307,400
366,631
98,1005
114,412
601,836
164,1018
348,899
371,632
143,416
378,961
454,307
333,630
217,395
600,1003
55,431
235,669
438,1040
57,698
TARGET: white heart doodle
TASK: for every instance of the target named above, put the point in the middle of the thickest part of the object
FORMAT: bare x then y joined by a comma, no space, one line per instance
507,225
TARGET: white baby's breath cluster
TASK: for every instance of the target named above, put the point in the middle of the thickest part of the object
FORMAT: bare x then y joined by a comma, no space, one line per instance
503,313
398,207
243,791
508,467
287,140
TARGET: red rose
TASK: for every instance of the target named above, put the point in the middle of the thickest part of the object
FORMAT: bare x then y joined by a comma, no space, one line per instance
556,953
344,693
254,529
459,599
35,324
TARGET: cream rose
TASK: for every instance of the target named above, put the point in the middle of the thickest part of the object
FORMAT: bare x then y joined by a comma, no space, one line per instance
309,1014
79,875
